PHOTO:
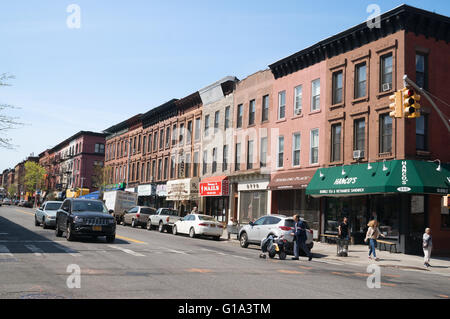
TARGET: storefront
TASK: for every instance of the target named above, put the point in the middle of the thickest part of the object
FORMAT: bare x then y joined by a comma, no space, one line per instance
161,197
147,195
184,194
399,194
253,200
215,192
289,197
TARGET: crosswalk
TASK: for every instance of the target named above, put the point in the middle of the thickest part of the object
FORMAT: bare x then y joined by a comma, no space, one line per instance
48,249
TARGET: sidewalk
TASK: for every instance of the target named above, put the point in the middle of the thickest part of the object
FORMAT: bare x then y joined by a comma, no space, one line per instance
358,255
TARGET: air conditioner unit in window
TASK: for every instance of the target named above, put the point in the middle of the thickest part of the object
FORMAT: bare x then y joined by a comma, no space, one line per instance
387,87
358,154
298,111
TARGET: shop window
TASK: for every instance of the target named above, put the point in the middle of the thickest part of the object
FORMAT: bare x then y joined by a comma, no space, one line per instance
253,205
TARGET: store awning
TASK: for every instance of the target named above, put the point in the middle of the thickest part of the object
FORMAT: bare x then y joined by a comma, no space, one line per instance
93,195
291,180
214,186
398,176
182,189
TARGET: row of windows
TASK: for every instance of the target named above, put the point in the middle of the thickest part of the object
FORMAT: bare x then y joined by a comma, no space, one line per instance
296,148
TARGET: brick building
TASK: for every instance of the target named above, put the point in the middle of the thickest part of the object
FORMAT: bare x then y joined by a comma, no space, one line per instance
370,159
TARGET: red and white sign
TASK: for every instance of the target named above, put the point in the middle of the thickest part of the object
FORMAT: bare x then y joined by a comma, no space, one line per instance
214,188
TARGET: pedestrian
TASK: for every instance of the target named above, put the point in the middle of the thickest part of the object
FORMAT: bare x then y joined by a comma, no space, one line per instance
427,247
194,210
343,229
372,235
300,238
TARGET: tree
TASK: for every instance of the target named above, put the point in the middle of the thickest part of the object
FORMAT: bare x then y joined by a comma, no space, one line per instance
6,122
34,176
100,177
12,190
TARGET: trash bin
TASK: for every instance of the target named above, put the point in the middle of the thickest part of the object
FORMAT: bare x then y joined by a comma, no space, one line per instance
342,247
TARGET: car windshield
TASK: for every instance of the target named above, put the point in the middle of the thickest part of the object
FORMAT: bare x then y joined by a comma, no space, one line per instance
169,212
53,206
289,223
148,211
90,206
207,218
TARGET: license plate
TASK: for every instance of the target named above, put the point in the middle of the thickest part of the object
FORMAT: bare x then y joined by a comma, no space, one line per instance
97,228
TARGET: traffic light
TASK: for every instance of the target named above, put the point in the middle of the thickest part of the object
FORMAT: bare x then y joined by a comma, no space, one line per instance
396,105
410,103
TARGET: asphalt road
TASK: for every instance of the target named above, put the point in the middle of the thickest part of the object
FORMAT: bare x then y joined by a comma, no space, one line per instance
148,264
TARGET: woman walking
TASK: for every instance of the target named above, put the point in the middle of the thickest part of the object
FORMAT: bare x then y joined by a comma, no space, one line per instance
427,247
372,235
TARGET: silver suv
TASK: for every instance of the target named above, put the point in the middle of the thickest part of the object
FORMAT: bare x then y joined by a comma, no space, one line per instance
278,225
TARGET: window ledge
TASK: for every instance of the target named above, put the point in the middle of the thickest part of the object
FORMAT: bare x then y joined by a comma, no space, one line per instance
281,120
383,94
314,112
360,100
297,116
335,106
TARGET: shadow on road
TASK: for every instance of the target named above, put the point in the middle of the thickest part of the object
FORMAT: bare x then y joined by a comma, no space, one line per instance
18,239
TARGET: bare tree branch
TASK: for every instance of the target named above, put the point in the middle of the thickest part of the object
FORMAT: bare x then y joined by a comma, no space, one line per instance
7,122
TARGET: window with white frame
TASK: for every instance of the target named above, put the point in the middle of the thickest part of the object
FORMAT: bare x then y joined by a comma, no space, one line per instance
281,105
298,100
314,147
280,153
296,149
315,95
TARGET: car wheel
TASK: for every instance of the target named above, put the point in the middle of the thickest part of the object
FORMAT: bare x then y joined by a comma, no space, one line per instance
243,241
44,225
217,238
192,232
161,227
174,230
110,239
58,232
69,234
149,225
272,255
36,223
133,223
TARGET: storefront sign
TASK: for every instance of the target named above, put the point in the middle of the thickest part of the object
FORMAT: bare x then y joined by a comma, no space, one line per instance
146,190
161,190
243,187
182,189
219,188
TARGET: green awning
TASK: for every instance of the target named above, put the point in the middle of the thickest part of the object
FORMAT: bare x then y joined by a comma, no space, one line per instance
398,176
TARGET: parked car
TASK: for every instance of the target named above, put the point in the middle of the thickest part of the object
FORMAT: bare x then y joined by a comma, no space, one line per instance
198,225
85,217
164,219
46,214
138,216
15,202
277,225
7,201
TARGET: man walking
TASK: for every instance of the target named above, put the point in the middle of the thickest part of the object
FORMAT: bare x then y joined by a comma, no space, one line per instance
300,239
343,229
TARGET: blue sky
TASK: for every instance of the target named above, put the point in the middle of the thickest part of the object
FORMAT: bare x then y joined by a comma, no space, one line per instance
130,56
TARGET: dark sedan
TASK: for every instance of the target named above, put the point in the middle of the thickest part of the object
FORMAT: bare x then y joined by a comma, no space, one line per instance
83,217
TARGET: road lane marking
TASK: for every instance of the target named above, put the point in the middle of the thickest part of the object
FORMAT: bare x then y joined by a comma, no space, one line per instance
388,285
68,250
130,239
304,267
128,251
443,296
290,272
37,251
24,212
177,251
340,274
392,276
4,251
197,270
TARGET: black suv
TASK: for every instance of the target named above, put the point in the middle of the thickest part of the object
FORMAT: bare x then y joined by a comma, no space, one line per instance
84,217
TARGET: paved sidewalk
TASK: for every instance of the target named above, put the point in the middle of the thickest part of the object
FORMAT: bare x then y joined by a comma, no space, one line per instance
358,255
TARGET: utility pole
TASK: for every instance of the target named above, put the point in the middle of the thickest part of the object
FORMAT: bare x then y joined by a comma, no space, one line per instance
408,81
